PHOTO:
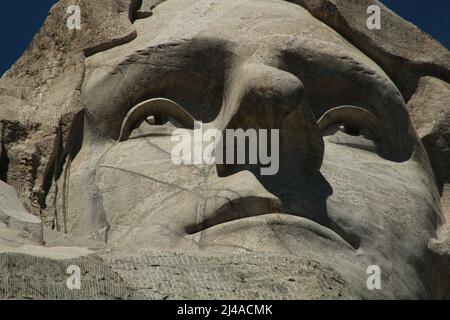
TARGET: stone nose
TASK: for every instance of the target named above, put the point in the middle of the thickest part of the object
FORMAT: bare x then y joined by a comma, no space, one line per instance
268,98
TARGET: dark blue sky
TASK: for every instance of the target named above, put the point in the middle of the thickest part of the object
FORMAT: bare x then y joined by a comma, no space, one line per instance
20,20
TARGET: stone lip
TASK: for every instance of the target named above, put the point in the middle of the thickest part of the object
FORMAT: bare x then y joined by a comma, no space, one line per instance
281,219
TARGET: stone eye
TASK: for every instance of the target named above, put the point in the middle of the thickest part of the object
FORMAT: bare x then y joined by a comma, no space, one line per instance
154,111
354,121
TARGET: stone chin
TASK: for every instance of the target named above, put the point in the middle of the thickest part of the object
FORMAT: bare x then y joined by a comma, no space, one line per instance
355,186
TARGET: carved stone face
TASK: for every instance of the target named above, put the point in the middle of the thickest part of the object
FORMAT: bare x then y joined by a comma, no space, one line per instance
350,192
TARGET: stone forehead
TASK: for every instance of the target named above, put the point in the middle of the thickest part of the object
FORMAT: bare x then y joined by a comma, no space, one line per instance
262,24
